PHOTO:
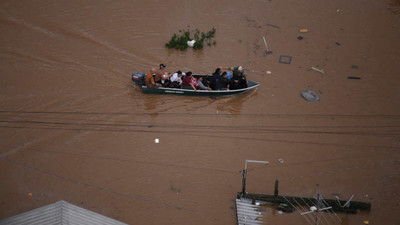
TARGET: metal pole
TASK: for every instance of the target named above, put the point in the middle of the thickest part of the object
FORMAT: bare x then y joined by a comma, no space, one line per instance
276,188
244,174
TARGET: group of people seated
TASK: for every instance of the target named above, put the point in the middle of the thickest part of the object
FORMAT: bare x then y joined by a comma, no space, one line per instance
218,81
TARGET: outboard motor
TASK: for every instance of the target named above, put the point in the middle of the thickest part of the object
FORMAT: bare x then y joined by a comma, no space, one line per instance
139,78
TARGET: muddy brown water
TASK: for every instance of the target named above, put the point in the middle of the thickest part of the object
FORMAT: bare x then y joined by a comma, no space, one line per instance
74,127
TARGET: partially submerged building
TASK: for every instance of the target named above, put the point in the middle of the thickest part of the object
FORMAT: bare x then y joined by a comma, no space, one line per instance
60,213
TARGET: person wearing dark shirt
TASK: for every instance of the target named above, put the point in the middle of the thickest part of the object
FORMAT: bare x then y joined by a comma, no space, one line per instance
238,77
222,82
216,75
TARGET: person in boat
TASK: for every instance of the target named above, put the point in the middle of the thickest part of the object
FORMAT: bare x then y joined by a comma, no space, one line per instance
176,79
189,82
165,80
238,76
159,74
229,76
222,83
200,81
150,78
215,77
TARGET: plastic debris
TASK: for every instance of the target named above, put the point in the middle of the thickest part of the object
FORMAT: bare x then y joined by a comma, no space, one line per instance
303,30
191,43
281,160
318,70
354,78
366,222
268,72
310,96
300,38
156,141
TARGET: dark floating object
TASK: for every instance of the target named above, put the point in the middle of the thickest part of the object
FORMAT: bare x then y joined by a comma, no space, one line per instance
285,208
338,44
300,38
150,126
285,59
354,78
354,67
271,25
310,96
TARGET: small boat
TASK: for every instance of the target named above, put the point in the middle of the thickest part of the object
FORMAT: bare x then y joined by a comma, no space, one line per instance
139,80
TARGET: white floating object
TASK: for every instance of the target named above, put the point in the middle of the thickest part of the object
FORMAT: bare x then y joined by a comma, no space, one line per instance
281,160
313,208
191,43
310,96
318,70
269,72
156,141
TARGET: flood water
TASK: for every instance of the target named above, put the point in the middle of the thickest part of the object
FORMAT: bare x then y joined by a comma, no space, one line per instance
73,126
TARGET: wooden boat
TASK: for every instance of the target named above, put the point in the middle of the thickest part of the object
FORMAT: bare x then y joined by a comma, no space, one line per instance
138,79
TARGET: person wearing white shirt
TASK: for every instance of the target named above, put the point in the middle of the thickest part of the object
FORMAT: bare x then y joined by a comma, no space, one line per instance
176,79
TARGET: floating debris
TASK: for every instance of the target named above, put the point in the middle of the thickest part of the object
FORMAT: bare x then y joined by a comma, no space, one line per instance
338,44
281,160
318,70
310,96
300,38
267,52
285,59
354,67
271,25
285,208
354,78
156,141
191,43
303,30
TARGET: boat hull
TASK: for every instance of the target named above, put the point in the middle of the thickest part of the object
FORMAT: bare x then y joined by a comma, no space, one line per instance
188,92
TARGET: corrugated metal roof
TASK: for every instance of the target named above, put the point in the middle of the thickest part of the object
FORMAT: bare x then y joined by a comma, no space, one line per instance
60,213
248,213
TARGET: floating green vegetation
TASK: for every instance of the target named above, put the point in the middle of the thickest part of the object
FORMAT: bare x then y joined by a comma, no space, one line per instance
175,189
180,40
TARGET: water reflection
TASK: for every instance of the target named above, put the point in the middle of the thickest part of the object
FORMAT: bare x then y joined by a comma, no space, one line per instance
150,103
234,104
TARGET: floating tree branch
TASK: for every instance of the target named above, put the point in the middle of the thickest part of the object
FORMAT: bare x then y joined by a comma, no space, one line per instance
179,41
